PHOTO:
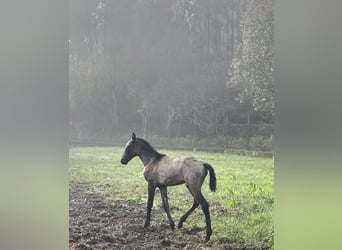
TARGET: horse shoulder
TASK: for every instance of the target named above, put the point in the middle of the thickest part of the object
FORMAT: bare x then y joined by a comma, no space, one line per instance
149,171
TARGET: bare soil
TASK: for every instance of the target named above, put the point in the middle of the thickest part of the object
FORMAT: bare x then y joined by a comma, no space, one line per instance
95,223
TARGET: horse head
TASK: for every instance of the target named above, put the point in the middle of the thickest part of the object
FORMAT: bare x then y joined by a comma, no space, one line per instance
131,150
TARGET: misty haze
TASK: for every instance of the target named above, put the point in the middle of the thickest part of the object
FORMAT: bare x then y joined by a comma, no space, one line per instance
192,77
163,69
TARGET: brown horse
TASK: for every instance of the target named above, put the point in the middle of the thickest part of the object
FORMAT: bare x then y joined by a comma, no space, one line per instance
162,171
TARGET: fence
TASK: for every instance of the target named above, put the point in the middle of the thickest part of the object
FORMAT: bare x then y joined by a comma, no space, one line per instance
253,139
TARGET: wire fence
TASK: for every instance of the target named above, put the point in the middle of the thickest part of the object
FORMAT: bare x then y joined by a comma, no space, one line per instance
242,139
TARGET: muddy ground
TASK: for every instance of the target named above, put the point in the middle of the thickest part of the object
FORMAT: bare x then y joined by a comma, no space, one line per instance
98,224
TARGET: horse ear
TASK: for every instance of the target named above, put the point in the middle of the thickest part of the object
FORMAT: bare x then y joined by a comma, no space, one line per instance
134,137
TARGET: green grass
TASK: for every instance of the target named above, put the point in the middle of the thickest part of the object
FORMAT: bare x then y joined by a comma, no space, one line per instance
241,208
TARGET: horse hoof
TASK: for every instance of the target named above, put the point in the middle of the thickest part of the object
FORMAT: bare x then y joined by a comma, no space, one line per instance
172,226
146,225
207,238
180,225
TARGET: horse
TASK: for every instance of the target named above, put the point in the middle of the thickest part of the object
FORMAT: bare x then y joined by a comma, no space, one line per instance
162,171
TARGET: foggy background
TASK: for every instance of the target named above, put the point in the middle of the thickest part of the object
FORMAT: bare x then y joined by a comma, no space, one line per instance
189,73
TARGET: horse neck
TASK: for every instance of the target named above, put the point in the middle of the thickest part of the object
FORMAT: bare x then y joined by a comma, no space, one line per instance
148,154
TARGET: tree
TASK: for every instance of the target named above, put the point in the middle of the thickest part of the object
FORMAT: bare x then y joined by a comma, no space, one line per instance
251,71
158,71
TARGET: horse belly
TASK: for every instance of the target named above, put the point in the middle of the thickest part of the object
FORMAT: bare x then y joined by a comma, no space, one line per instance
172,182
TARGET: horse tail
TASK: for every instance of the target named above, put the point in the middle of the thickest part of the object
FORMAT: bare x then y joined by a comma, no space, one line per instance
212,182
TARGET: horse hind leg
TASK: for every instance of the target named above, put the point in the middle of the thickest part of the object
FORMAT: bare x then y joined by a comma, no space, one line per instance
205,207
163,193
186,215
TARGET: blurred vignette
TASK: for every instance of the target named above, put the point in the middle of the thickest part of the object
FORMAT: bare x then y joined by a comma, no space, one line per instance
34,118
34,152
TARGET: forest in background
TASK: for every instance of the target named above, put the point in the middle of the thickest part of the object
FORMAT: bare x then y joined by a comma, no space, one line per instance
189,72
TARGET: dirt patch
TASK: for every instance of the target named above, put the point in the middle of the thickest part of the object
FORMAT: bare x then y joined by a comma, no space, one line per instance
95,223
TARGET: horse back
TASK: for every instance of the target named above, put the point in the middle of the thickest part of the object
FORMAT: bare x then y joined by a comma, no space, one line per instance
174,171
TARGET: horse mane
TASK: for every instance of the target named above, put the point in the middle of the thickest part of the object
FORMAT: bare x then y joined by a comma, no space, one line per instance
152,149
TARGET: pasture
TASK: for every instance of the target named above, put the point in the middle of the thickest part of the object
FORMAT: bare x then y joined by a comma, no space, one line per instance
108,203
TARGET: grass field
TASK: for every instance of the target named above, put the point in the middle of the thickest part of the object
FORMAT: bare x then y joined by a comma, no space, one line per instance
241,208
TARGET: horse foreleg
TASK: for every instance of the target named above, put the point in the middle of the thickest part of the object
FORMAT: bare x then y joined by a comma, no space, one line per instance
151,189
186,215
205,207
163,193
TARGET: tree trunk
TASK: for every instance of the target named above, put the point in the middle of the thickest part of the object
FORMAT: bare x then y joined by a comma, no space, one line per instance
195,125
232,30
208,33
145,125
249,129
115,117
